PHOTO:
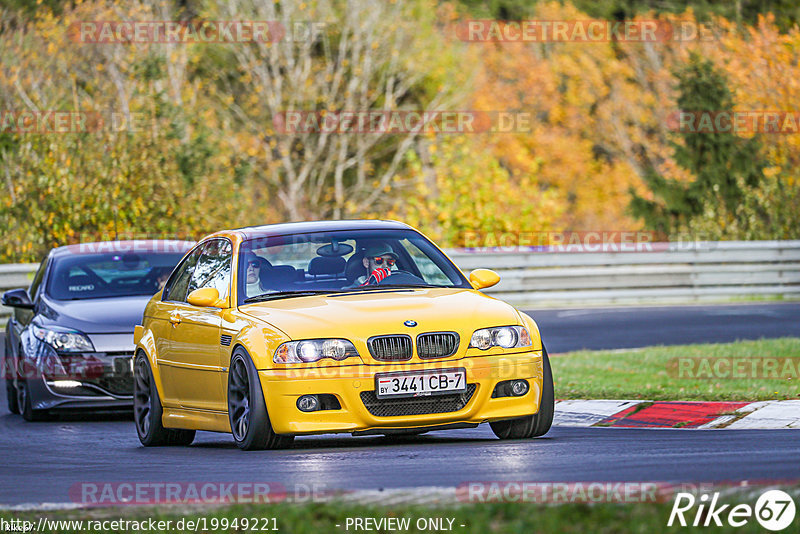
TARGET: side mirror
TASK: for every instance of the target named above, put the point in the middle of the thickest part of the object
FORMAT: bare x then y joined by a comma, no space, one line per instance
483,278
17,298
205,297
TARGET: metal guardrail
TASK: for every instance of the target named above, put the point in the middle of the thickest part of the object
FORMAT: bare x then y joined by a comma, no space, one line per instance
661,273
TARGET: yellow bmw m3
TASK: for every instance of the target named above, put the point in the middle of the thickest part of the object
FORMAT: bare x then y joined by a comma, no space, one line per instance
364,327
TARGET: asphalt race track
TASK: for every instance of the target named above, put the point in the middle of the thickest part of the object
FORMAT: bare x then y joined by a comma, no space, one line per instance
42,461
622,328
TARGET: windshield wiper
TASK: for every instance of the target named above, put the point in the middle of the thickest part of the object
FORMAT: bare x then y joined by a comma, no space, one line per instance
392,286
289,294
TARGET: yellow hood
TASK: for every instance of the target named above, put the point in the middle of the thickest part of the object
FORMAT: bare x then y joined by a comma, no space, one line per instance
362,315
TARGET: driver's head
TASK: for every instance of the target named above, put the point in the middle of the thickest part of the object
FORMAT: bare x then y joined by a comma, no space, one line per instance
379,256
253,268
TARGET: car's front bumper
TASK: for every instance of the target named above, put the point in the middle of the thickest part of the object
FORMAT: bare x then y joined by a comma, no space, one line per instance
47,396
82,380
282,388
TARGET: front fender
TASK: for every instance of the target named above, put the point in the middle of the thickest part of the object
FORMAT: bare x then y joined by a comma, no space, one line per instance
260,341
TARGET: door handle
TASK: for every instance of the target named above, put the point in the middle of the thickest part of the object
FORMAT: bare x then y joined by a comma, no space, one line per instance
174,319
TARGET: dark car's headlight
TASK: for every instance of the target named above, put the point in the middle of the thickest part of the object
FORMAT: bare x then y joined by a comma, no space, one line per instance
63,340
508,337
312,350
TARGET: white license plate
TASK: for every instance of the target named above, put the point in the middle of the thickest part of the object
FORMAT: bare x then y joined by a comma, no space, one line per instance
420,383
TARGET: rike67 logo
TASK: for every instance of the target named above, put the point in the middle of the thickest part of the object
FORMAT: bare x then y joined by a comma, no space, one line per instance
774,510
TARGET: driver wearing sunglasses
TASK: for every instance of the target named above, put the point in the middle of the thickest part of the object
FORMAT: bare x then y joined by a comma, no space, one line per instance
379,261
253,275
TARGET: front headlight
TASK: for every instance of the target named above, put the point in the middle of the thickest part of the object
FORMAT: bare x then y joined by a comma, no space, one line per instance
312,350
508,337
63,340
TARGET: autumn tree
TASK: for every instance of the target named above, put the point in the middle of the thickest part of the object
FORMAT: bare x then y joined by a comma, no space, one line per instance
360,57
724,165
151,167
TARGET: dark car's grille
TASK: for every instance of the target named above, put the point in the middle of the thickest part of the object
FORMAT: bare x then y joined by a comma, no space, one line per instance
118,354
390,348
416,405
437,344
110,371
118,385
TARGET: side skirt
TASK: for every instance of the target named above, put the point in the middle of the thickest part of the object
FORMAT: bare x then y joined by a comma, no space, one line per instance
196,420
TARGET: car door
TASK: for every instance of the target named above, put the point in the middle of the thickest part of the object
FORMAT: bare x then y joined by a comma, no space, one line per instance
194,365
162,312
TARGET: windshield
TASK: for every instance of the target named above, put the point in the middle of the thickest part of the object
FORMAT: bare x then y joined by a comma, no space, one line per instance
356,260
92,276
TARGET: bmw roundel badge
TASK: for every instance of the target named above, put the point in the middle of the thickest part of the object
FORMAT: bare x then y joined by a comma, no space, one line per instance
410,323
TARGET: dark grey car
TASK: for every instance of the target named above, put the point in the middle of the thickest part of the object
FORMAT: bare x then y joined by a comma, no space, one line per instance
69,343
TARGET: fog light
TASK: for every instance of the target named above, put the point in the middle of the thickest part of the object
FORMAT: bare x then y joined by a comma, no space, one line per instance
519,387
308,403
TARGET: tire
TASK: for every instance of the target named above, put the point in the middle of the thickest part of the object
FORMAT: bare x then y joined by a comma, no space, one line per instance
535,425
25,404
147,410
11,396
10,372
247,411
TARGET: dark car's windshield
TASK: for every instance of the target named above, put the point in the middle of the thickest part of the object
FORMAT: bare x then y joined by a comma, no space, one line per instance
91,276
284,266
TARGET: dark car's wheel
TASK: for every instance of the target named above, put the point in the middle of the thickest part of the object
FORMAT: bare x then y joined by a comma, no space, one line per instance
11,396
533,425
247,410
25,403
147,410
11,390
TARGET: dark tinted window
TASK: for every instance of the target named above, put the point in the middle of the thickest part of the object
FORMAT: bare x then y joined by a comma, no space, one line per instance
178,285
91,276
213,268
